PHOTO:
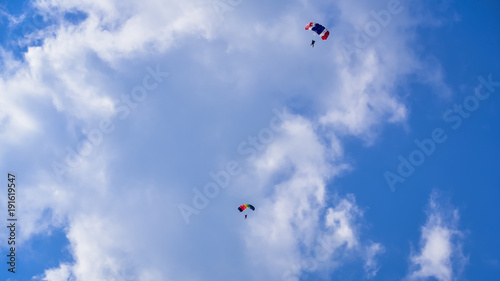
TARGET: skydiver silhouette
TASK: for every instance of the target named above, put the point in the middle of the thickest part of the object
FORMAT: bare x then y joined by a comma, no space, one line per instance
312,43
246,216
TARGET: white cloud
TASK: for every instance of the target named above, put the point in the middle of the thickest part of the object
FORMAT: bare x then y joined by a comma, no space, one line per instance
72,67
440,255
371,266
366,99
119,29
61,273
293,209
296,231
119,205
16,123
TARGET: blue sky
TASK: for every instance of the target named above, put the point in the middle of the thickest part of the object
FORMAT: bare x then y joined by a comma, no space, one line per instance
136,130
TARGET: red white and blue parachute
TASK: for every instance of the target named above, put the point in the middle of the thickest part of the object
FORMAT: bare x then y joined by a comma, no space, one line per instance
319,29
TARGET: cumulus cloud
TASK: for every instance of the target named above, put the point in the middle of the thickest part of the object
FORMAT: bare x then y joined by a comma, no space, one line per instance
118,207
72,55
440,255
304,229
114,30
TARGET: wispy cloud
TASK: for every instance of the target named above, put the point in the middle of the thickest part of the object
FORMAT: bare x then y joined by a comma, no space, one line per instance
440,252
371,265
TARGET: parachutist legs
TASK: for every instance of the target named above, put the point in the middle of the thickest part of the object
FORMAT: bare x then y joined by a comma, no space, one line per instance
312,43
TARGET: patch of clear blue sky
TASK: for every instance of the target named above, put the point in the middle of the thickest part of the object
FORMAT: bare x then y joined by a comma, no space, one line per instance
41,253
11,34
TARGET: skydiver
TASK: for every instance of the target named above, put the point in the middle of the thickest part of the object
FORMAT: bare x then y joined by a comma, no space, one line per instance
246,216
312,43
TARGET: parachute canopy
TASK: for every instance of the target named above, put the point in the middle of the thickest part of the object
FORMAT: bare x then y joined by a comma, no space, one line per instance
319,29
245,206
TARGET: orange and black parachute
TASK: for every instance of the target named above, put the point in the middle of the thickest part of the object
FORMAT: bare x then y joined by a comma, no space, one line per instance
245,206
